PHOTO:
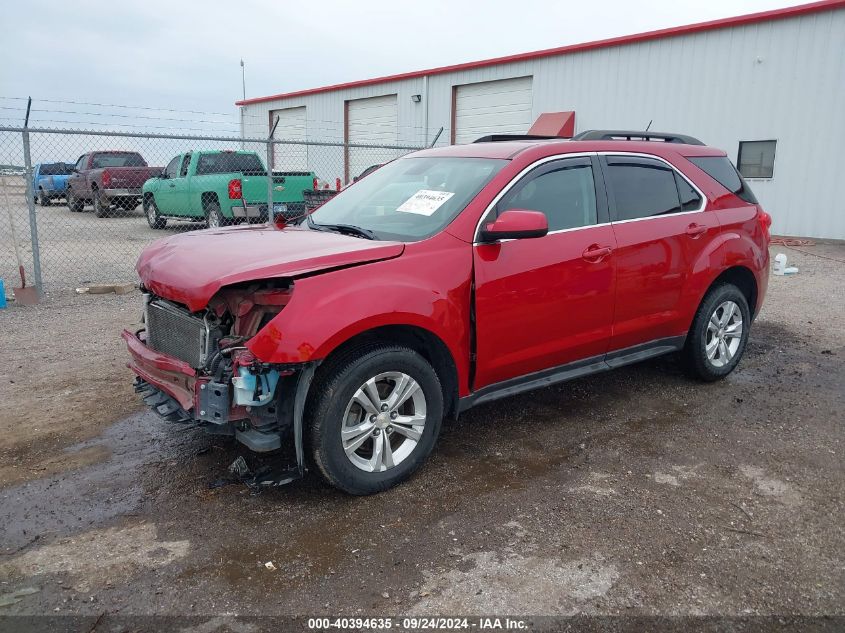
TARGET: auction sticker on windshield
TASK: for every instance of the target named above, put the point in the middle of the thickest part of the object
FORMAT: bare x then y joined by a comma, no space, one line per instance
425,202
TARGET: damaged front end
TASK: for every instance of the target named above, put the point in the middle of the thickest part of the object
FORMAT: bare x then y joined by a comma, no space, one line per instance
194,368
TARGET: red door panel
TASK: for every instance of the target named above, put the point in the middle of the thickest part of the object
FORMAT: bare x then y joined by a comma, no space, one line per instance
663,234
542,302
655,262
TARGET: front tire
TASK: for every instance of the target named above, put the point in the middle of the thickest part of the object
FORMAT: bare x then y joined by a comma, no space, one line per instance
101,209
155,221
719,333
43,198
374,417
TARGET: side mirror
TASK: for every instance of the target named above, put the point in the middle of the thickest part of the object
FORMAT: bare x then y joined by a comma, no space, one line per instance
516,224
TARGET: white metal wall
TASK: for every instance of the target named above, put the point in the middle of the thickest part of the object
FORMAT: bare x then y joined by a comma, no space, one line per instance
782,79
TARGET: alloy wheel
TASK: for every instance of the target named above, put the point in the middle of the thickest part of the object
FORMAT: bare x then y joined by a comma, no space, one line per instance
383,422
724,334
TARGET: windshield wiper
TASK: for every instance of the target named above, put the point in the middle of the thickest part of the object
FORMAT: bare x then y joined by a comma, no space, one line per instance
349,229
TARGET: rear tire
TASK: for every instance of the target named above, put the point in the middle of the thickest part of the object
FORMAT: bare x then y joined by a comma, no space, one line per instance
214,218
73,203
364,441
43,198
151,211
101,209
719,333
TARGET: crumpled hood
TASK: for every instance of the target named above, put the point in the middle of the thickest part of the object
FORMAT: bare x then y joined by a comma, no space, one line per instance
191,267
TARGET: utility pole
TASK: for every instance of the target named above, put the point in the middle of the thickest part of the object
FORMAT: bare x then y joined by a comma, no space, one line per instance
243,108
243,78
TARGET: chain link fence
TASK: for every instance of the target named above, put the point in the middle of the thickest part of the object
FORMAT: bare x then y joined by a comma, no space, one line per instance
77,207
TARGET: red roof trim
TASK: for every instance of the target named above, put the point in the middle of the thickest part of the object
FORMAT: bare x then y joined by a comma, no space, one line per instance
741,20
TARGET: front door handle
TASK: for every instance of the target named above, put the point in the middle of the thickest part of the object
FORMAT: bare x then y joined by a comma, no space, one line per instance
172,186
594,252
695,230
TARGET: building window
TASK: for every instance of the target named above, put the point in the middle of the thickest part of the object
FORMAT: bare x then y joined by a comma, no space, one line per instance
756,159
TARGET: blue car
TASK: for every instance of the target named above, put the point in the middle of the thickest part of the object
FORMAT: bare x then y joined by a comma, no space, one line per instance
49,181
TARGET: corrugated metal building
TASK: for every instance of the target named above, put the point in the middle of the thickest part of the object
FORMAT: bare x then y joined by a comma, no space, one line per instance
768,88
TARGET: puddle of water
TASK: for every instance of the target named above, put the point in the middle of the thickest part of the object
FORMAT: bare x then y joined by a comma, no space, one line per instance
79,499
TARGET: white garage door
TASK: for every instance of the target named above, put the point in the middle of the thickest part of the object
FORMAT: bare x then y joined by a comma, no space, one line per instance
292,127
492,107
372,121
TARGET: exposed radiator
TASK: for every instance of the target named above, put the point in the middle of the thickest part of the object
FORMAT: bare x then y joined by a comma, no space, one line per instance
175,332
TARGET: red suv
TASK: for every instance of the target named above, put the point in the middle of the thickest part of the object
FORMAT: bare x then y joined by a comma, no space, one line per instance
447,278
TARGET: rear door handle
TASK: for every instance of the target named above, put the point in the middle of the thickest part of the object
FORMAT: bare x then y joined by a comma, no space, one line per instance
594,252
172,185
694,230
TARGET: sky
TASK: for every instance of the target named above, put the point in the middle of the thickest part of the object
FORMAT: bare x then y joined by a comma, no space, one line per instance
182,58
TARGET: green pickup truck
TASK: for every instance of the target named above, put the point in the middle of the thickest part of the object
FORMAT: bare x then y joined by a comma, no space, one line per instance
221,188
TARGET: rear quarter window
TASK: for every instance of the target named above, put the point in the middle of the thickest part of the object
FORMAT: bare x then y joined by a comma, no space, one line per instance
720,169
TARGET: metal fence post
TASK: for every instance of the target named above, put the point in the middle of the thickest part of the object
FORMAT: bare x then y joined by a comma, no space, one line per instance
33,223
270,179
270,170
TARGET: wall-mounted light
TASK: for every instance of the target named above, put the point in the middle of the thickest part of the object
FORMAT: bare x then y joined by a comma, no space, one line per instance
416,98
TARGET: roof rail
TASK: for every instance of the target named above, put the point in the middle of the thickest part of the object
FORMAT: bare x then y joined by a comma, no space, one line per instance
497,138
634,135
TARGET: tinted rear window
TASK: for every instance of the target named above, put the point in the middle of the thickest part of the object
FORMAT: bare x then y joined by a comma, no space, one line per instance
230,162
117,159
55,169
720,169
642,187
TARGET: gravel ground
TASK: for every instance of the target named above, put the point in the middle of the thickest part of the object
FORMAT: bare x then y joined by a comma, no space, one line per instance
76,248
633,492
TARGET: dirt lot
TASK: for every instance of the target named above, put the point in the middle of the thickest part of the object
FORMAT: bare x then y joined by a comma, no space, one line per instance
632,492
76,248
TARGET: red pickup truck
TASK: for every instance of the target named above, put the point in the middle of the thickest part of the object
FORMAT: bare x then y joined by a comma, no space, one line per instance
108,179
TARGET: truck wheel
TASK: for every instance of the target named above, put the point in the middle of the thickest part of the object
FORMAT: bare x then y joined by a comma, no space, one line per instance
719,333
151,211
214,217
374,418
73,203
43,198
101,209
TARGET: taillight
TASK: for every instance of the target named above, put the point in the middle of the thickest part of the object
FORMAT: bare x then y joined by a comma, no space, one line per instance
235,190
314,184
106,179
765,221
337,184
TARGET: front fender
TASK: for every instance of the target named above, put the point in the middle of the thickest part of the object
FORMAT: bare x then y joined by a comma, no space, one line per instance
424,288
151,185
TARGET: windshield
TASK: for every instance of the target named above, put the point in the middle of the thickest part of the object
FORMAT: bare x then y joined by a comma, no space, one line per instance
409,199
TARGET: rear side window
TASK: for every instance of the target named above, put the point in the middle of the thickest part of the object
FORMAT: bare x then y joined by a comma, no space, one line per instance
720,169
563,190
642,187
690,199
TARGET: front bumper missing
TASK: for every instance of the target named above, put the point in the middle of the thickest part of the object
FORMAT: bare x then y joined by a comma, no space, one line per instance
177,394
